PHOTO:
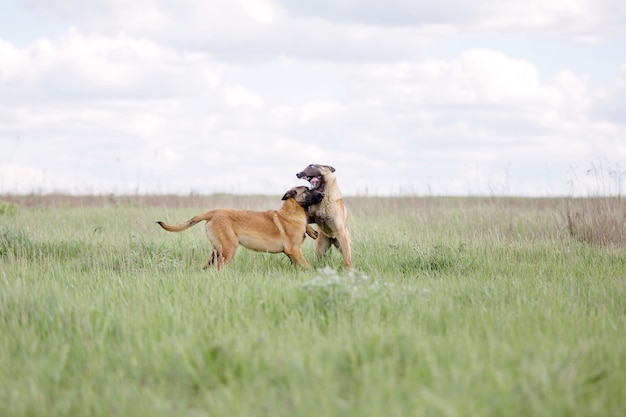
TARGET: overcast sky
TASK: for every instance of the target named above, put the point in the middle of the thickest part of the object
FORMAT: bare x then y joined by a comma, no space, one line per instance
452,97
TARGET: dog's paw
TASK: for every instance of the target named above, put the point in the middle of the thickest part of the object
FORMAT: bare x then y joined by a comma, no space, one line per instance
311,232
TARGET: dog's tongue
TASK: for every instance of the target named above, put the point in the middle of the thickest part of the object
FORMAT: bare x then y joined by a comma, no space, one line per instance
314,182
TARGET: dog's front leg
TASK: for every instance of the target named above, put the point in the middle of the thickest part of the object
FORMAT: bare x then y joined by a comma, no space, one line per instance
297,258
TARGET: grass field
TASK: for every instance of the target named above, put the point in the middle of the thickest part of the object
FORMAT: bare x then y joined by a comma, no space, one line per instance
457,307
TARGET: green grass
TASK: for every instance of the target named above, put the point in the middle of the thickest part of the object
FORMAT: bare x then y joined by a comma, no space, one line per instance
457,307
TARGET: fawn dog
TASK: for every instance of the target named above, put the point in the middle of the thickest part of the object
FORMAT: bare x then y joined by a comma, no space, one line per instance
330,214
271,231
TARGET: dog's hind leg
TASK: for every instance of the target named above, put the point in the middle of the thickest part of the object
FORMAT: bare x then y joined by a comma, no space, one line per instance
215,256
229,246
322,244
344,246
227,255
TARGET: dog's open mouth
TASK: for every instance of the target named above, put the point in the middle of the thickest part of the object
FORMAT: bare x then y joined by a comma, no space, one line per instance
314,181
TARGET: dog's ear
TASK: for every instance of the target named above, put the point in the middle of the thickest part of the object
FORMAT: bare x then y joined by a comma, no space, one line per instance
289,194
331,168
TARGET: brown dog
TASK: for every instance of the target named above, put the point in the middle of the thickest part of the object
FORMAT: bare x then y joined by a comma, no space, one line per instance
330,214
271,231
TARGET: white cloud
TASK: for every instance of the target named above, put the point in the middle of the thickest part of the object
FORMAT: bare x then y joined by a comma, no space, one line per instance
476,77
238,96
78,66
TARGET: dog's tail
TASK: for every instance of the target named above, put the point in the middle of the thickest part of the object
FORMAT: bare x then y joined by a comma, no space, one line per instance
186,225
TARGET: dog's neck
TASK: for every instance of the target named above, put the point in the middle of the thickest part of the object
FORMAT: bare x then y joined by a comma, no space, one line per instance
330,184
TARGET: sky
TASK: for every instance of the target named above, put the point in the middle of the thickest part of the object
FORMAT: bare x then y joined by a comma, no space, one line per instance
401,97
